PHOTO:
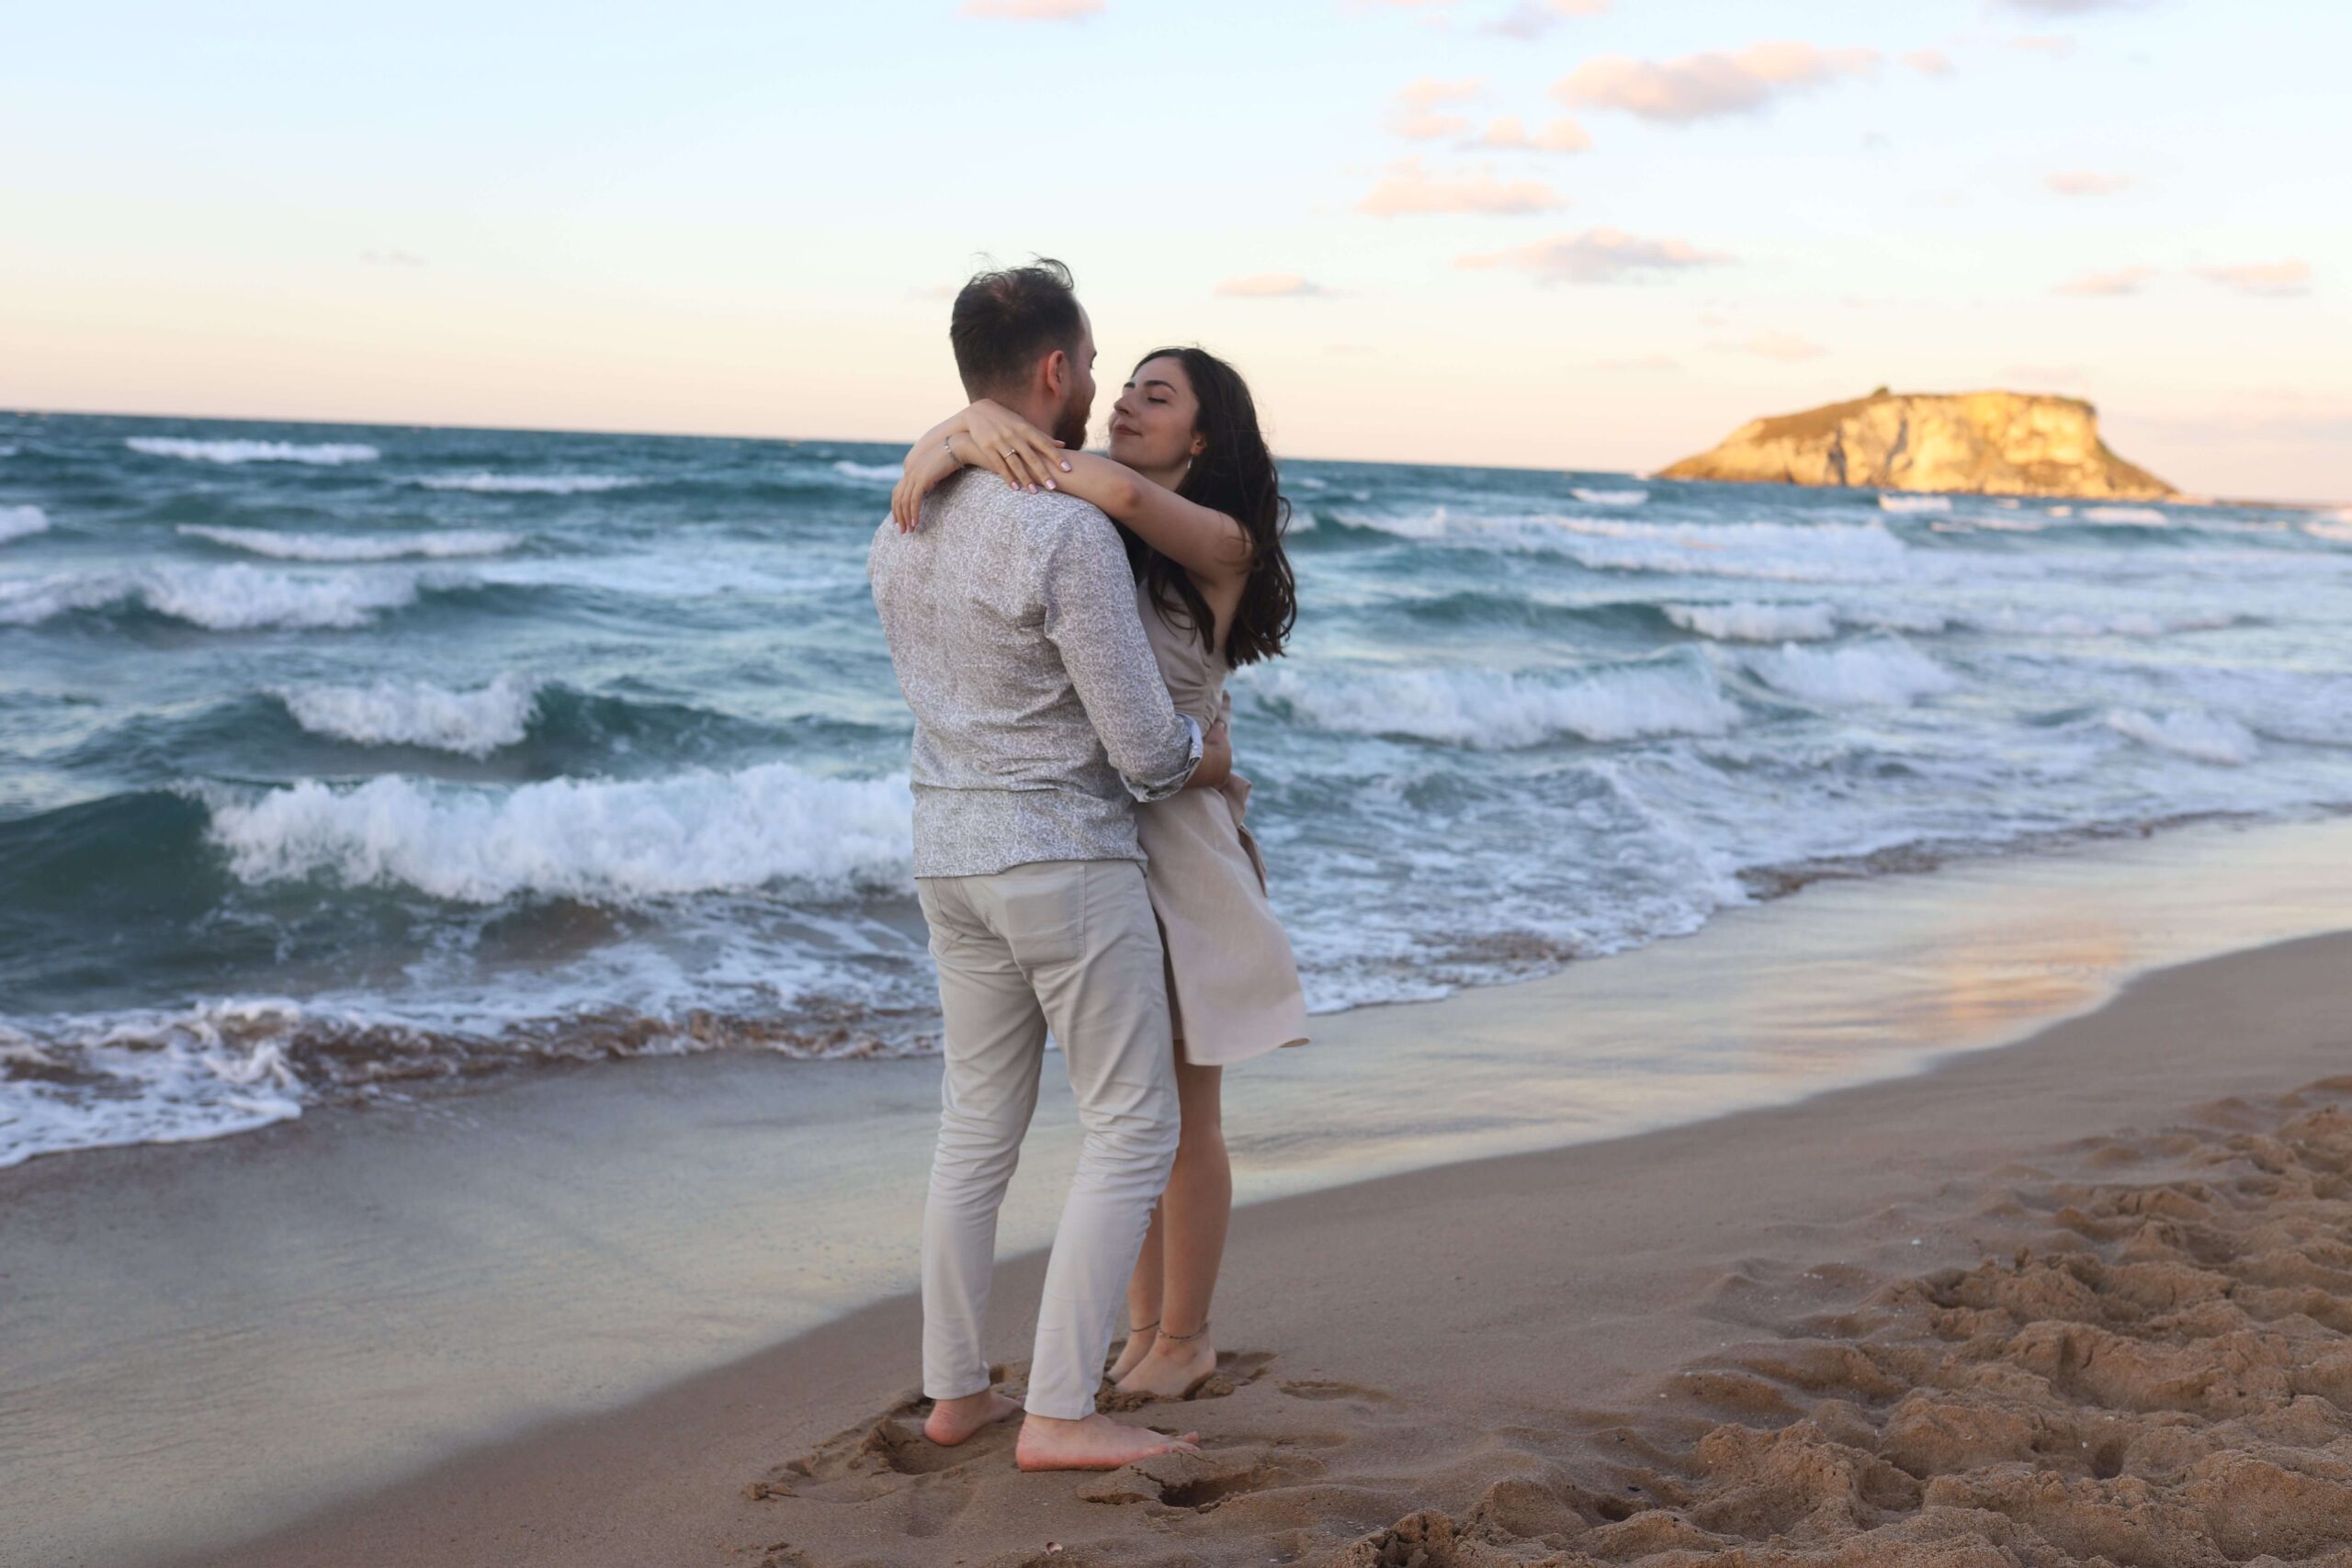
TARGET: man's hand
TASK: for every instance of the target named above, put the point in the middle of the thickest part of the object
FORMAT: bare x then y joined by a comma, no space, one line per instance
1217,759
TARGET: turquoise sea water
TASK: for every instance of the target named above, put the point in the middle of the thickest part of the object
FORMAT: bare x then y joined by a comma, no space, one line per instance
334,761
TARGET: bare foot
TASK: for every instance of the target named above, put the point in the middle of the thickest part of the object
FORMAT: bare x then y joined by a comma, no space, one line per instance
1172,1369
952,1421
1137,1347
1096,1443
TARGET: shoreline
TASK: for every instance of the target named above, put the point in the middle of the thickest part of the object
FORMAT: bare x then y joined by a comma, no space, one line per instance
705,1471
472,1268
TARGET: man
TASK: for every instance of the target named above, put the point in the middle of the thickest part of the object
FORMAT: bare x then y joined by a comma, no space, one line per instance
1040,721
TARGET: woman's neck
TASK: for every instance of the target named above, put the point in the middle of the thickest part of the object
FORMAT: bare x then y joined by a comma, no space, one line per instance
1166,479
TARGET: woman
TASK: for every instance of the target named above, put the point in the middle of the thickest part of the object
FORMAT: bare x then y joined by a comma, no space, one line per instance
1195,493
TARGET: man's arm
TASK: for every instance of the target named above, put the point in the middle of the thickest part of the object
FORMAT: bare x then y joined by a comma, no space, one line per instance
1090,599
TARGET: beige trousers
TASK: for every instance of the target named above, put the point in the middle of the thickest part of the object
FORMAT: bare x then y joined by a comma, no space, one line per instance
1069,946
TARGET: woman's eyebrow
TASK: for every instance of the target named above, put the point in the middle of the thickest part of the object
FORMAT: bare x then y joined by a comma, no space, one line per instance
1163,386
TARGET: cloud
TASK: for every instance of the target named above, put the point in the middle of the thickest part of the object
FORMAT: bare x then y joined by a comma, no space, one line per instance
1707,86
1597,255
1786,347
2086,181
1409,189
1416,115
2108,285
1928,62
2274,280
1563,135
2044,43
1272,286
1034,10
1529,19
2068,7
393,257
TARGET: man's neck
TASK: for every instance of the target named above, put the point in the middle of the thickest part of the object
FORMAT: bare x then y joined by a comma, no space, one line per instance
1036,408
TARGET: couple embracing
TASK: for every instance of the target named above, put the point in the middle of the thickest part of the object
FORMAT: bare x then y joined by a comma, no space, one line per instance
1062,624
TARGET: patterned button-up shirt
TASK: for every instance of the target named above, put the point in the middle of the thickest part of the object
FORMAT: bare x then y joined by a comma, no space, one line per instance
1040,717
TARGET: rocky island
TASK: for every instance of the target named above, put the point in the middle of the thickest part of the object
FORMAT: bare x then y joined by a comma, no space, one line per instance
1985,443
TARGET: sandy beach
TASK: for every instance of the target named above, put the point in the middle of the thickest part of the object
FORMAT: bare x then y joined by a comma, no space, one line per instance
655,1311
2078,1299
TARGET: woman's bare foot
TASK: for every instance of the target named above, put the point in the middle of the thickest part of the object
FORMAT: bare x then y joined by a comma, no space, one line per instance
953,1421
1096,1443
1137,1347
1173,1369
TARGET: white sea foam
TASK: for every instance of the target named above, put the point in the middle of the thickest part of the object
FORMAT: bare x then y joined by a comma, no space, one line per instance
2333,533
1764,551
220,598
1608,497
22,522
2203,737
1746,621
415,713
529,484
1883,672
876,473
8,451
328,454
356,547
1911,504
168,1078
1492,710
2128,623
2140,516
596,840
245,598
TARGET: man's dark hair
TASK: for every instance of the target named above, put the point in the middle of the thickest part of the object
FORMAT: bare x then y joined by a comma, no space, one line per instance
1004,320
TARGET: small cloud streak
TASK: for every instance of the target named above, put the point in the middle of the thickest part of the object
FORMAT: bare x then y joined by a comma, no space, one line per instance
1786,347
1409,190
1597,255
2068,7
1531,20
1034,10
1930,61
2044,43
394,257
1417,115
2086,181
1273,286
1711,85
1563,135
2108,285
2269,280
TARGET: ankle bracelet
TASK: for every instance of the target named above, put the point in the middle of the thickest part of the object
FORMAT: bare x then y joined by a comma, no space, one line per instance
1133,1332
1180,1338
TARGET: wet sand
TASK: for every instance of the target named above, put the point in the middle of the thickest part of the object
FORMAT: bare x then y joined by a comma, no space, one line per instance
2086,1298
513,1296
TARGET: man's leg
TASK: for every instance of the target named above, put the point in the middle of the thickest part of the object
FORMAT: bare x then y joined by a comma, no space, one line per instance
1108,1007
994,1039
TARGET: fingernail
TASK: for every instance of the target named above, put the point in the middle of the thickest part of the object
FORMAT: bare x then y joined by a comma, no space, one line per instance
1050,484
1065,467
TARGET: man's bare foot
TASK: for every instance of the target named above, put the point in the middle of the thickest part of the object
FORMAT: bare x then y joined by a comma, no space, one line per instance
1096,1443
953,1421
1137,1347
1173,1369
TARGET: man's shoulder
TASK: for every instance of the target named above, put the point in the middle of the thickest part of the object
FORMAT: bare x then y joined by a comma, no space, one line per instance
1046,514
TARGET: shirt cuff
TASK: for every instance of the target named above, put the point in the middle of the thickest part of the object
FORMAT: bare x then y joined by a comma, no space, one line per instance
1146,795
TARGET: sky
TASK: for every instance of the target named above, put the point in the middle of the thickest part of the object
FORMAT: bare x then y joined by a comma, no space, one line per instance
1591,234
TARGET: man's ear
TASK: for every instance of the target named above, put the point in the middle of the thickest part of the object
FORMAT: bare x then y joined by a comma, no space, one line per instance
1057,371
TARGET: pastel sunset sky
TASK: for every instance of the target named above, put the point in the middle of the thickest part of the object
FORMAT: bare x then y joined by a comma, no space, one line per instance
1587,233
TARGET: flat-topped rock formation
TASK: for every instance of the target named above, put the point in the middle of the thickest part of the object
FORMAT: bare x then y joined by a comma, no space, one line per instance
1988,443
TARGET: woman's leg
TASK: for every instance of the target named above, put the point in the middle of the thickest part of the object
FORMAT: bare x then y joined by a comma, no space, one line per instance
1189,1228
1143,1292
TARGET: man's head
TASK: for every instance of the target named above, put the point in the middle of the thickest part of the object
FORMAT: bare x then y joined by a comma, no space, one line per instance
1023,340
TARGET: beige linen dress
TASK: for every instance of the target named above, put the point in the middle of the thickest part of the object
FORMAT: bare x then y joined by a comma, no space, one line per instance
1232,982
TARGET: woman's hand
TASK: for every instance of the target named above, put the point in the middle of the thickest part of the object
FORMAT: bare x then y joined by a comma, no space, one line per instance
1217,759
921,476
1011,448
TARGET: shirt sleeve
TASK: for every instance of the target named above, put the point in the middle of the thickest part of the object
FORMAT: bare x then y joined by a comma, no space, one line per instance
1090,599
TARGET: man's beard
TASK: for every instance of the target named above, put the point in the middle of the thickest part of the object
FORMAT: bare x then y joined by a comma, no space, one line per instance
1069,426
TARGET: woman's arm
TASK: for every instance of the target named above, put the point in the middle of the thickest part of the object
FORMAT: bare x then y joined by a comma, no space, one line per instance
1201,539
925,467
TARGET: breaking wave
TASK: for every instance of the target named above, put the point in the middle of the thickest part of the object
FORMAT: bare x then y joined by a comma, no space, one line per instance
530,484
328,454
355,546
1491,710
415,712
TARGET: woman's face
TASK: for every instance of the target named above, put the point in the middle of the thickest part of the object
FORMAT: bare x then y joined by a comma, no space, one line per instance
1151,424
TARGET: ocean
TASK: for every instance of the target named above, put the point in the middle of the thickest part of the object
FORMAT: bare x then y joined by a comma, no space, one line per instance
337,761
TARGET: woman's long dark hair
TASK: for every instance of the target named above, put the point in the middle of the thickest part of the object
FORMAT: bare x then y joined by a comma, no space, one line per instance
1234,474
